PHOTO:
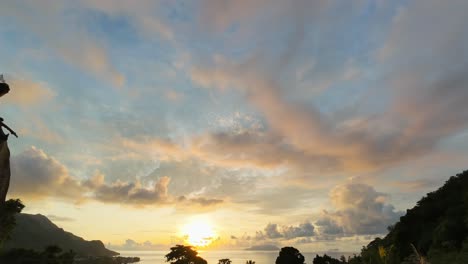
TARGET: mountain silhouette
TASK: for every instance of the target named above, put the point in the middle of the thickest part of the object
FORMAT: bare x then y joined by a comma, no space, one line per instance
37,232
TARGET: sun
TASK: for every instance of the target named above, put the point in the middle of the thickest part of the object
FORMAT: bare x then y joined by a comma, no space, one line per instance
198,232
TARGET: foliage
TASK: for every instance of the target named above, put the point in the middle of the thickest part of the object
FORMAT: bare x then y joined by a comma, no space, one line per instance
355,260
51,255
8,210
181,254
224,261
435,230
328,260
106,260
250,262
290,255
54,255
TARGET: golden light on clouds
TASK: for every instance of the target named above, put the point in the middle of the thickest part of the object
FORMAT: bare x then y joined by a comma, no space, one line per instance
198,232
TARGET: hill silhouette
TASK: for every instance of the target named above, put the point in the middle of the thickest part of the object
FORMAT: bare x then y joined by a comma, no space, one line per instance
36,232
435,230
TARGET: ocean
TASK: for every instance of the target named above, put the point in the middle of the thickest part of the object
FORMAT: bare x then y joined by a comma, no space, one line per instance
237,257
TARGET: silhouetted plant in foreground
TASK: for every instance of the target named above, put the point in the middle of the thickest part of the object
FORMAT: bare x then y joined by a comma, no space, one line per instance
8,210
290,255
224,261
181,254
54,255
328,260
250,262
51,255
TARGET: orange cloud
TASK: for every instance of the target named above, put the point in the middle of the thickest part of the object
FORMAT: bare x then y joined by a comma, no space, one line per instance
36,175
26,93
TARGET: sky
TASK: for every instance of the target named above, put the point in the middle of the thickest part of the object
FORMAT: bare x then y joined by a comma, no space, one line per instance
313,124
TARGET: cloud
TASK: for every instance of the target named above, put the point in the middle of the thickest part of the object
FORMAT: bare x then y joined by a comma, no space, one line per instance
220,16
416,185
272,231
304,131
303,230
358,210
55,218
417,97
37,175
200,201
37,128
174,96
328,226
144,15
50,22
248,148
410,34
128,192
131,244
421,111
26,93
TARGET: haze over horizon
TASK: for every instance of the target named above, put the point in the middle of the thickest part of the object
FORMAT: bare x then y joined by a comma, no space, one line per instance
312,124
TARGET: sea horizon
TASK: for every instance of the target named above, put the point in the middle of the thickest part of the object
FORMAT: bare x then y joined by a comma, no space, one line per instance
236,256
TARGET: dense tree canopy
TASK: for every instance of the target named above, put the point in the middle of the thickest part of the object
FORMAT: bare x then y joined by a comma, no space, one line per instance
51,255
181,254
327,260
435,230
290,255
8,210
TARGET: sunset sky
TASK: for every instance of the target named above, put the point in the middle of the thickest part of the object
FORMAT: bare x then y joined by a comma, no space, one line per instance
314,124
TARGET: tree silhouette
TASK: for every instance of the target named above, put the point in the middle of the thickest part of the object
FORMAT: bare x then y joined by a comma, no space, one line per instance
290,255
250,262
50,254
8,210
328,260
181,254
224,261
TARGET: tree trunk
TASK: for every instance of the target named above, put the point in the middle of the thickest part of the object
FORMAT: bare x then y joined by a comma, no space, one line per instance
4,167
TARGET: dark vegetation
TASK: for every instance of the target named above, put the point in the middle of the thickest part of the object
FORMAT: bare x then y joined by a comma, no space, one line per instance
325,259
434,231
224,261
290,255
46,233
22,235
51,255
55,255
8,211
181,254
